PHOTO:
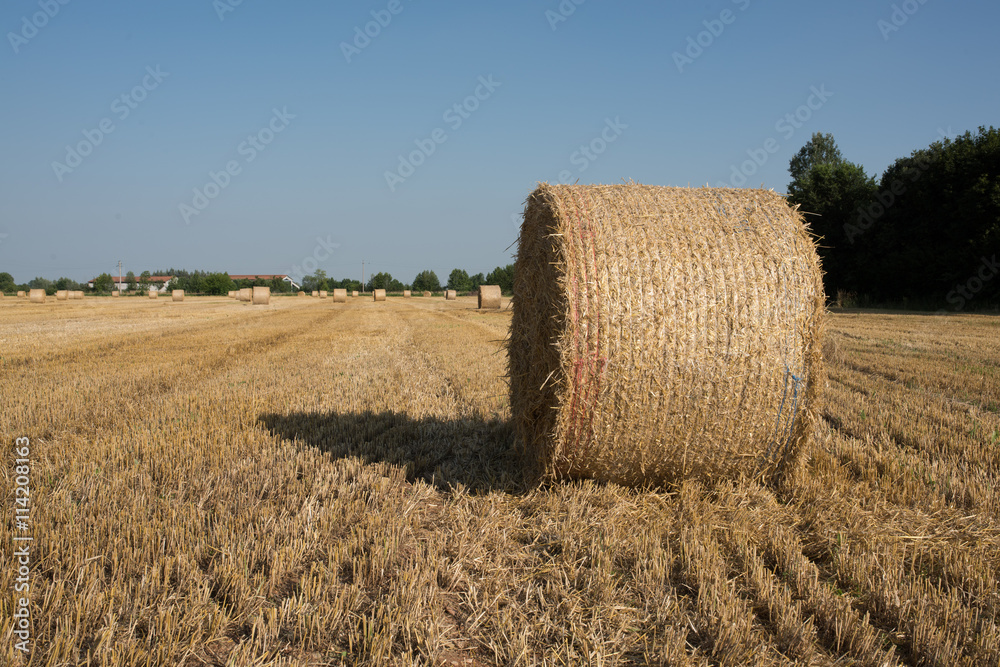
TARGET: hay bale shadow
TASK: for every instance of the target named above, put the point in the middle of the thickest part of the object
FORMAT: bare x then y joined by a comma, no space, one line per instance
476,453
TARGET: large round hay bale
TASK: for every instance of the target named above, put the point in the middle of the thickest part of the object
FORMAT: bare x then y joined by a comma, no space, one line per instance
20,294
406,294
378,295
261,296
490,296
450,294
76,294
322,294
354,292
426,294
340,296
36,296
62,294
302,293
177,295
116,293
315,293
245,294
153,294
665,333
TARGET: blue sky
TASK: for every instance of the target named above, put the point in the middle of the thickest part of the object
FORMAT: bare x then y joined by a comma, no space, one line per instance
311,131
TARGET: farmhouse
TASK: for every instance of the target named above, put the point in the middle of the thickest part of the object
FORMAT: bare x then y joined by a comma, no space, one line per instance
159,283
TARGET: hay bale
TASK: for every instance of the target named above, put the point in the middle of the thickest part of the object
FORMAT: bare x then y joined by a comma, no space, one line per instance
302,293
426,294
406,294
322,294
340,296
450,295
77,294
315,293
153,294
261,296
36,296
490,296
664,333
232,294
62,294
177,295
378,295
245,294
115,293
354,292
21,294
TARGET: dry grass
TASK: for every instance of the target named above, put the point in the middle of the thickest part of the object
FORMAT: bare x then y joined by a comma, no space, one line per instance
380,518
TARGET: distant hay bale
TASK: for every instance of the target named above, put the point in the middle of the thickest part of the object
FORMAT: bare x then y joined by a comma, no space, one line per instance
21,294
426,294
450,294
245,294
340,296
662,333
76,294
302,293
115,293
406,294
232,294
177,295
36,296
62,294
315,293
490,296
261,296
322,294
378,295
354,293
153,294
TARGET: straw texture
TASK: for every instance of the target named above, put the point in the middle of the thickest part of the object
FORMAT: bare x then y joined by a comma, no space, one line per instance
661,333
406,294
354,292
76,294
490,296
177,295
322,294
340,296
21,295
315,293
115,293
427,294
153,294
450,294
62,295
378,295
261,296
302,293
36,296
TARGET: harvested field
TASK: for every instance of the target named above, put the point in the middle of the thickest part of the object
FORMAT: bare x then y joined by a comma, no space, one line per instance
381,517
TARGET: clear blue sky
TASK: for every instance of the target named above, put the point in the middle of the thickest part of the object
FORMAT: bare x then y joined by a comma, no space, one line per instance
323,176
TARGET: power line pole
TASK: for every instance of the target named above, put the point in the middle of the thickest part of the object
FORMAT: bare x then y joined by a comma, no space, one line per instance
362,276
119,285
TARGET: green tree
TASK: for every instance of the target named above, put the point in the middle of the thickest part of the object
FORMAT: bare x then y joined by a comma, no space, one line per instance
218,284
384,281
144,280
104,283
458,280
7,283
130,283
821,149
426,281
42,283
502,276
476,281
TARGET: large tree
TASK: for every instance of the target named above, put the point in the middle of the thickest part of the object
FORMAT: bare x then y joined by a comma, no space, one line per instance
7,283
820,149
502,276
458,280
426,281
104,283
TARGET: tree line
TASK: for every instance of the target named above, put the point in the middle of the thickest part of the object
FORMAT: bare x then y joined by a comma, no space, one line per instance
926,234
